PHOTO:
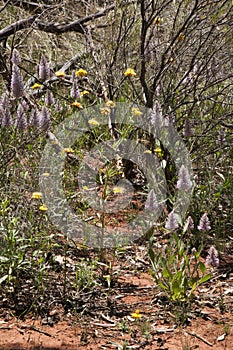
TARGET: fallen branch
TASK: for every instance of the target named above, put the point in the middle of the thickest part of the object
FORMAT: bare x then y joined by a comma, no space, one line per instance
75,26
33,328
199,337
15,27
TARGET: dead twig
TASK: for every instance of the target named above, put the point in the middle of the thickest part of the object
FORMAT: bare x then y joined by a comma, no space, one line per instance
199,337
33,328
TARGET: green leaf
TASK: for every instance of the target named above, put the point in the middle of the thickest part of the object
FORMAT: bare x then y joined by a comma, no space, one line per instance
202,267
151,254
3,259
162,285
178,277
166,273
204,278
176,288
2,279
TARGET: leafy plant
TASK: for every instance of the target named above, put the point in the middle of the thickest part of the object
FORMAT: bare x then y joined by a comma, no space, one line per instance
177,272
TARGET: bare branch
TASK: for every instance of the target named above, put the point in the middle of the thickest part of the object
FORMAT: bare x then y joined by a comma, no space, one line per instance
75,26
15,27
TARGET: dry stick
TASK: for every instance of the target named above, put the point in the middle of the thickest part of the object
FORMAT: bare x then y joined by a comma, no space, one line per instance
199,337
75,26
33,328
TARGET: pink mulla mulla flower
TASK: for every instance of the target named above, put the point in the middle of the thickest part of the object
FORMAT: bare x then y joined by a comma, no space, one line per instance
184,182
34,120
171,223
45,122
156,115
15,57
44,71
5,105
151,202
187,131
74,91
58,106
17,87
21,120
5,118
212,257
5,101
49,99
204,223
190,222
24,105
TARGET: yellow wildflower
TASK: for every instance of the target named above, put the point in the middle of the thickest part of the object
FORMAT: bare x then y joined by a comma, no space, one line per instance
136,111
110,104
181,37
85,188
130,72
93,122
171,59
46,174
136,314
105,110
43,207
76,105
118,190
68,150
36,86
81,73
147,151
158,21
60,74
84,92
37,195
158,151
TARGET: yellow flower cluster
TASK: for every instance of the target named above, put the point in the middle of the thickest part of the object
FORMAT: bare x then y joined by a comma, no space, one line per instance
43,207
81,73
68,150
37,195
181,37
136,314
60,74
136,111
93,122
36,86
158,21
76,105
130,72
159,151
105,110
84,93
118,190
110,104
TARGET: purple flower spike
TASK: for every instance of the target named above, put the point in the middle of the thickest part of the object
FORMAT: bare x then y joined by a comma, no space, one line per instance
204,223
171,223
74,91
187,131
44,69
49,99
212,257
45,122
34,120
184,181
17,87
151,202
21,121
